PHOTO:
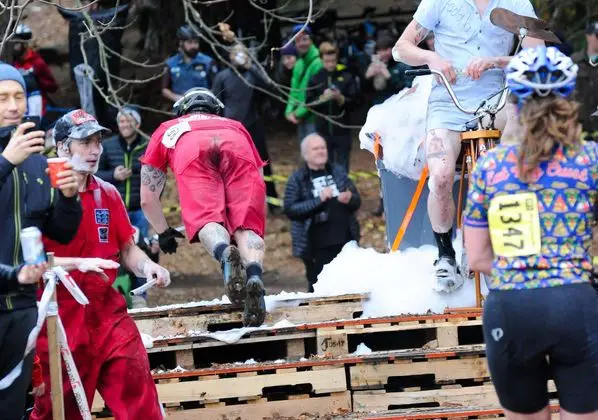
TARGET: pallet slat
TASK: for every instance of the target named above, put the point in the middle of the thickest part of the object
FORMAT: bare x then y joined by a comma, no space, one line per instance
479,396
182,321
246,385
376,375
269,409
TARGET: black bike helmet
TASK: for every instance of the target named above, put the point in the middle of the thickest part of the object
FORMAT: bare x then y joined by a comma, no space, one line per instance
23,33
198,100
186,33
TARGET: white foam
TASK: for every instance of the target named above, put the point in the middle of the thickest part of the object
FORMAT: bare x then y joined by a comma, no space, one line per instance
362,350
399,283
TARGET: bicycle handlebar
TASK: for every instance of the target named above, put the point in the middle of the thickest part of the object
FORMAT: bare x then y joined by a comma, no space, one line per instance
426,72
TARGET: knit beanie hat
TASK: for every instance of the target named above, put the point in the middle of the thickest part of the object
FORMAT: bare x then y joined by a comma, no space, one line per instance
8,72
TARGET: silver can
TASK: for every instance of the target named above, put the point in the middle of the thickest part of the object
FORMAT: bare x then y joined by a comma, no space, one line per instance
32,246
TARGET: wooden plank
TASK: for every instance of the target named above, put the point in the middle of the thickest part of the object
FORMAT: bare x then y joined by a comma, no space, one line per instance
220,309
182,325
473,396
295,348
188,342
332,380
330,343
324,381
350,330
290,408
184,359
447,337
370,375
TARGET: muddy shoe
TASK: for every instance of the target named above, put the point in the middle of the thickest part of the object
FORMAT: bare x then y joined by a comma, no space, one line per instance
234,275
255,305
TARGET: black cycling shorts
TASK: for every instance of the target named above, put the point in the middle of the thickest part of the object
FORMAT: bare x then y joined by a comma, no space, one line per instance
540,334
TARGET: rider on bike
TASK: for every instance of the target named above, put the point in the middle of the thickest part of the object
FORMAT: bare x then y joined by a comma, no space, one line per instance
528,224
471,52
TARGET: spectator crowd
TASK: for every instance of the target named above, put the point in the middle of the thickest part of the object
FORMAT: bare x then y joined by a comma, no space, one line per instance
329,82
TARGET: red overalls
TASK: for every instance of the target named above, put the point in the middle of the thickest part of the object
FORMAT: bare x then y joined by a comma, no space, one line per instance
217,169
103,339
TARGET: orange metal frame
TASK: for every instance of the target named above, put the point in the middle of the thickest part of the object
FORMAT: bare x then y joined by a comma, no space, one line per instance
477,140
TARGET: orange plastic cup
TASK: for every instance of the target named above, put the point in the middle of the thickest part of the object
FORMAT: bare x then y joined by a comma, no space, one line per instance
56,165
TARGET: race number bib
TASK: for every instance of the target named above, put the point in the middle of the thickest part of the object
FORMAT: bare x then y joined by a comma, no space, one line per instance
172,135
514,224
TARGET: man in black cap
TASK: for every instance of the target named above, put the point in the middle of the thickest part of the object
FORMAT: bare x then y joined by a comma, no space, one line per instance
587,81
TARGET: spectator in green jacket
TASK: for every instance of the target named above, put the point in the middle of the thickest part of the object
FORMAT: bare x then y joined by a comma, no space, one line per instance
308,64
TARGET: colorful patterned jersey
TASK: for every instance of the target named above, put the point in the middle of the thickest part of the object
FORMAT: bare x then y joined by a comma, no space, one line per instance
541,231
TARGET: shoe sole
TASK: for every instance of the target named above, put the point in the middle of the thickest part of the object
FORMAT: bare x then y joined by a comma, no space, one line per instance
235,286
255,307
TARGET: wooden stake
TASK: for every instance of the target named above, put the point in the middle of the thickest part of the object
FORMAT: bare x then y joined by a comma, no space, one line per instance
54,354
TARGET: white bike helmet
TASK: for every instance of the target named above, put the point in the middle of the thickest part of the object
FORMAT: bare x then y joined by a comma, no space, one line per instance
541,71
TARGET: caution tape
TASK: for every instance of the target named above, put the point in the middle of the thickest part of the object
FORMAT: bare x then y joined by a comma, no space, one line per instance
353,175
47,308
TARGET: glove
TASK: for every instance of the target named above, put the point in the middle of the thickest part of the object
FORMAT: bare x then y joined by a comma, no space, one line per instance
167,240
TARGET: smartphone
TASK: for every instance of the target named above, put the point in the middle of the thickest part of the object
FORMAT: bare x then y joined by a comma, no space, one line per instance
34,119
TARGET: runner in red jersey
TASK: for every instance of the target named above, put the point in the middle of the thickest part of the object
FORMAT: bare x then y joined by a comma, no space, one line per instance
221,190
104,340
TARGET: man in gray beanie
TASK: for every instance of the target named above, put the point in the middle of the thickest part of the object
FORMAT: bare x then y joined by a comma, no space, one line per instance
26,200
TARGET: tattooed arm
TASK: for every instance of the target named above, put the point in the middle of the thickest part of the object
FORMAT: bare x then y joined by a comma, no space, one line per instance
152,185
406,50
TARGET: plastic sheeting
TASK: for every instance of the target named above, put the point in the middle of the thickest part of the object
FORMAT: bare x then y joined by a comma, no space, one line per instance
400,122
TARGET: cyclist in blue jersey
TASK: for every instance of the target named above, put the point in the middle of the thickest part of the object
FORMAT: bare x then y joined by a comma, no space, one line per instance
528,221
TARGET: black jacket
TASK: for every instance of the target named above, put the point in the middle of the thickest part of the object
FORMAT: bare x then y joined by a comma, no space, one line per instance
26,199
240,98
346,84
300,205
118,152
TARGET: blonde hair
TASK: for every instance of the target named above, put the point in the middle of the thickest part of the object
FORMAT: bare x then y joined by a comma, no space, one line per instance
327,48
548,122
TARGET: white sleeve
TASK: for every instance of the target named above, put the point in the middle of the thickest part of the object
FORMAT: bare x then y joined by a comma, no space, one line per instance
427,14
524,8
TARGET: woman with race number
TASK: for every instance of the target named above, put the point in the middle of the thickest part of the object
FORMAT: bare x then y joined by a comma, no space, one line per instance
528,222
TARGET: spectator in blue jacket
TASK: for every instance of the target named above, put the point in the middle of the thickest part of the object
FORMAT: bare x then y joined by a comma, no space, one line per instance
321,202
26,200
188,68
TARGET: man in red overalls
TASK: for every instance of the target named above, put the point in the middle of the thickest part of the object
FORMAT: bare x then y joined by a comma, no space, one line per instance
221,190
103,339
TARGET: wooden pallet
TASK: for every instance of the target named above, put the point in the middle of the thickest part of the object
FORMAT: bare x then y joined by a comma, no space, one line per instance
168,322
229,385
448,396
332,338
197,389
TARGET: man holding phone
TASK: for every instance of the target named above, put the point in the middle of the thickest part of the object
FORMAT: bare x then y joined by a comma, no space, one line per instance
26,199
